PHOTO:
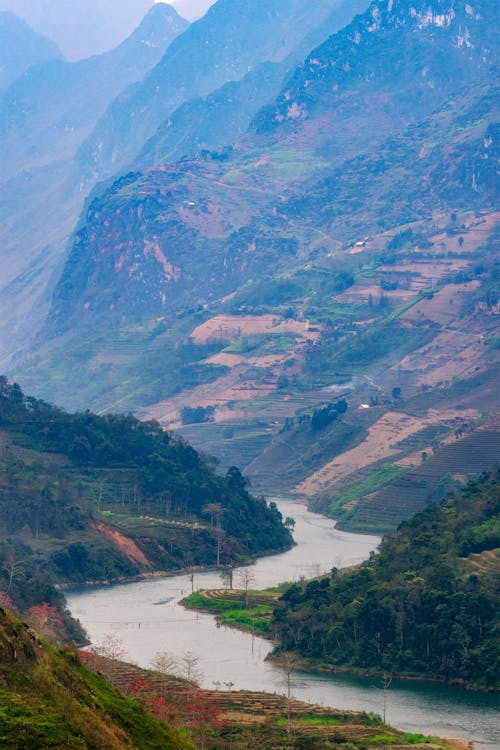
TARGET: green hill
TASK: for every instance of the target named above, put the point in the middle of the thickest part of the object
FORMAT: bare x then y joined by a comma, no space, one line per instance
49,700
424,605
89,498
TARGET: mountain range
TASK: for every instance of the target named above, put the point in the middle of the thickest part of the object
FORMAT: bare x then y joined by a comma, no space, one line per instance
283,225
44,116
81,29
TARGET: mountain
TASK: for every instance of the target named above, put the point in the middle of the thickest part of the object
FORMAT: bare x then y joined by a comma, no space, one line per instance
225,114
345,246
48,112
212,123
20,48
81,29
227,217
49,699
224,45
423,605
192,9
44,116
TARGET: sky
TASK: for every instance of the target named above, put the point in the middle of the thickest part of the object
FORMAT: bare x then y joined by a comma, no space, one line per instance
190,9
90,27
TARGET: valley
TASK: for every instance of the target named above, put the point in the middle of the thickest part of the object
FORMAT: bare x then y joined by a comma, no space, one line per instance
249,325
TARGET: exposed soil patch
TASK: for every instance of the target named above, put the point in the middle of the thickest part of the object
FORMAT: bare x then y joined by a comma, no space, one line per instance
126,546
450,354
232,327
381,442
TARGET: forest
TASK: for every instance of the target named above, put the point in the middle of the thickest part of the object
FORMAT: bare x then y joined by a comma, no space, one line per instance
71,484
424,605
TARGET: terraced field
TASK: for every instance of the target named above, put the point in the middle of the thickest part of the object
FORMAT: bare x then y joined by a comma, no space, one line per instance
246,720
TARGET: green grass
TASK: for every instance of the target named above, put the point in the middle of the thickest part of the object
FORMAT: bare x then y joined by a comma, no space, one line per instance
420,739
374,481
254,618
313,721
48,699
262,344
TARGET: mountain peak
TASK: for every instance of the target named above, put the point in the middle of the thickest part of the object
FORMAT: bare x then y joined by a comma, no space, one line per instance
21,47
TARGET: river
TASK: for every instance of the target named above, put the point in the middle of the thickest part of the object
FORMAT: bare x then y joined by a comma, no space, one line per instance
147,618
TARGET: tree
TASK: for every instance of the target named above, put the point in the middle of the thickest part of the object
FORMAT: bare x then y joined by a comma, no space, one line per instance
215,511
289,523
46,619
227,576
14,569
287,664
166,664
246,576
189,667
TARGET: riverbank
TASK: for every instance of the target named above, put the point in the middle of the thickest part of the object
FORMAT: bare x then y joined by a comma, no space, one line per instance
252,612
146,618
158,574
243,719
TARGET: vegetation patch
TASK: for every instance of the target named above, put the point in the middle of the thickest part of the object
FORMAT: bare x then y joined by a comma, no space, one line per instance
415,607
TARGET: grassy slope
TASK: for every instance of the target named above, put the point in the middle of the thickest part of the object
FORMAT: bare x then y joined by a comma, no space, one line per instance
49,700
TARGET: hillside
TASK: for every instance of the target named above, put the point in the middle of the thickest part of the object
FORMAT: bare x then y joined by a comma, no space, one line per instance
424,605
48,699
47,113
334,250
53,697
229,40
93,499
44,116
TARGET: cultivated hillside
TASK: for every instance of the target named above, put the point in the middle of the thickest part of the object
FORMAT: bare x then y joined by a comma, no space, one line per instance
335,249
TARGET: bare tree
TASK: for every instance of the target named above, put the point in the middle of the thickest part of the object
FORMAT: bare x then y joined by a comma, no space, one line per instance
112,650
246,576
386,684
287,664
214,510
110,647
14,569
189,667
219,535
166,664
191,571
227,576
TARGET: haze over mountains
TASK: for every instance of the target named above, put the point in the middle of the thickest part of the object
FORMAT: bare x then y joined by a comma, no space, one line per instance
83,28
44,117
35,231
294,199
20,48
229,40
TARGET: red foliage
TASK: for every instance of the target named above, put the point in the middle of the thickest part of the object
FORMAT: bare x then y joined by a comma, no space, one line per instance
89,659
193,710
199,710
46,618
6,601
